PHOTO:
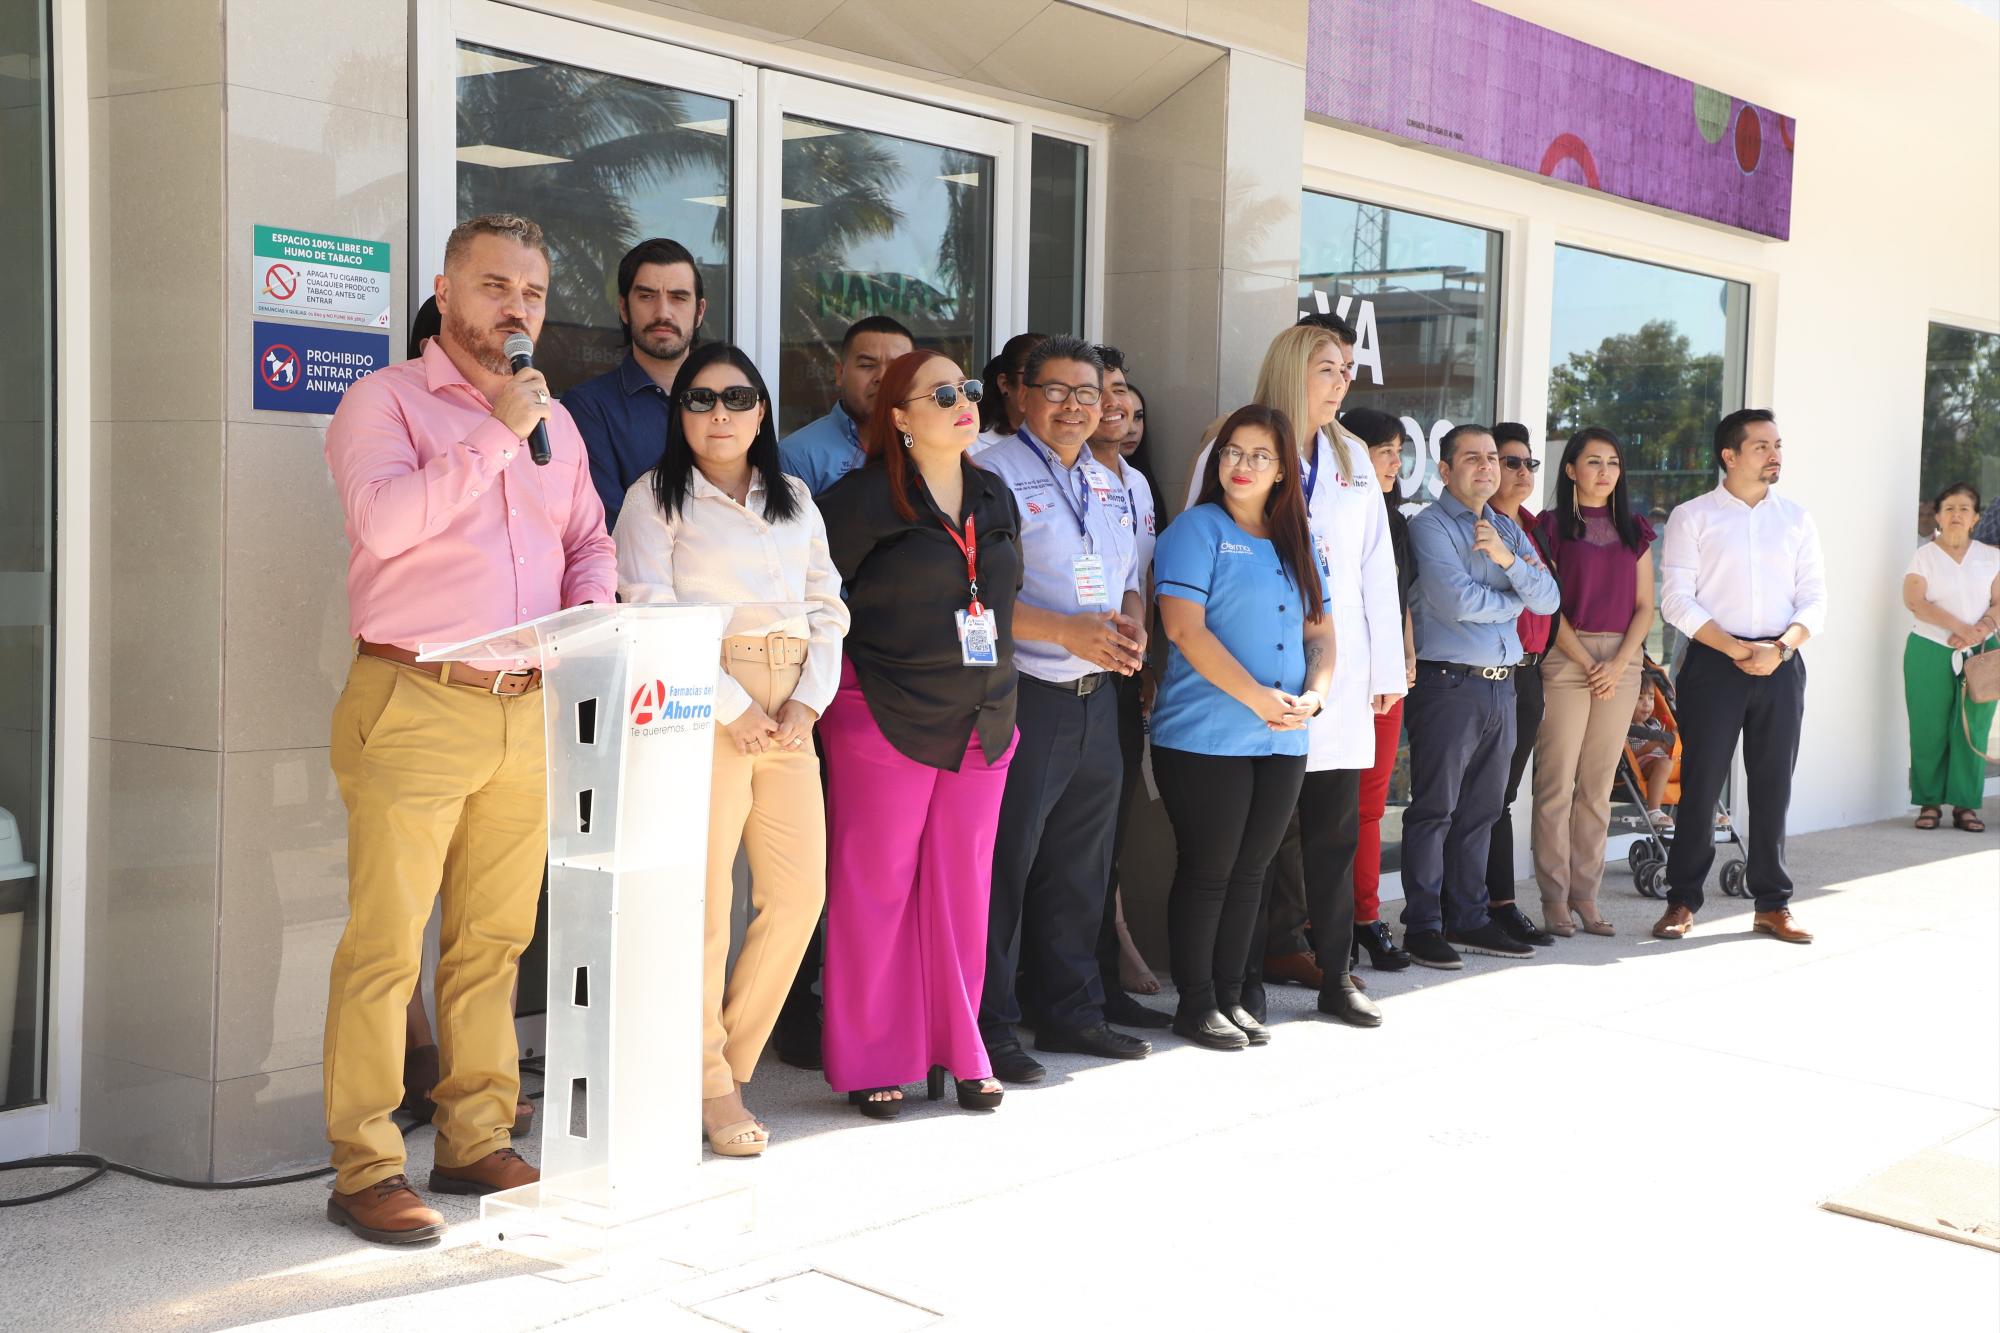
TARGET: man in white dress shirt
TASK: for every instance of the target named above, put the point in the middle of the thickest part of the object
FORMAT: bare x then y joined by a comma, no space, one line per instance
1746,583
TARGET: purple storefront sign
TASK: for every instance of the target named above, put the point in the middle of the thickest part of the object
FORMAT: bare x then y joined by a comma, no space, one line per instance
1463,77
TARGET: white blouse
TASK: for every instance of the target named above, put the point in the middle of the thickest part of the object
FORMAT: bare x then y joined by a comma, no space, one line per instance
1962,589
720,551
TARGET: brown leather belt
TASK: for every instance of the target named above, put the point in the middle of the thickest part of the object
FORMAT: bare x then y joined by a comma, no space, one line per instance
503,683
774,649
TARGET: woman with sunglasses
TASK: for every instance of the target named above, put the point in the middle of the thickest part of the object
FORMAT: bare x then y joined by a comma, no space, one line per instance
1249,660
718,521
1518,470
917,740
1602,553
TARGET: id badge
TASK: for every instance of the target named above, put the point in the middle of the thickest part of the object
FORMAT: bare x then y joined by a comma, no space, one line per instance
1088,573
978,639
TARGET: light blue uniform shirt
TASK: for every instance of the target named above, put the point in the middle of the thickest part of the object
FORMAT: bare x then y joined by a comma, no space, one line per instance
1464,606
821,452
1064,513
1254,608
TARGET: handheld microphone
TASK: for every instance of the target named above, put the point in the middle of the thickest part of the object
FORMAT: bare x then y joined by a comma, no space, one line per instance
520,350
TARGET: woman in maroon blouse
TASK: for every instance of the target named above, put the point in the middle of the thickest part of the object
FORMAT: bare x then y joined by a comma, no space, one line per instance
1602,555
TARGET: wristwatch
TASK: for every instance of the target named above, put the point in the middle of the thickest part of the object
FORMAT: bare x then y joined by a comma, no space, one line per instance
1785,651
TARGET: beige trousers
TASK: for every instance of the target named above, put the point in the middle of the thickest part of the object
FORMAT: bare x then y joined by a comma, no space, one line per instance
771,805
1576,762
446,792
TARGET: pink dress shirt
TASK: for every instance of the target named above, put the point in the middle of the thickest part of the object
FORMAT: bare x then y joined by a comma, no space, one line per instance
454,532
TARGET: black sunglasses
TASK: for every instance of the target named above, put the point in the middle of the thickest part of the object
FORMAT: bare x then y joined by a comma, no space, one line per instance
1532,464
737,398
946,395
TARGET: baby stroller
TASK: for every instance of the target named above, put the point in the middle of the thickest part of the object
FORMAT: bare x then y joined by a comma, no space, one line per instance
1648,856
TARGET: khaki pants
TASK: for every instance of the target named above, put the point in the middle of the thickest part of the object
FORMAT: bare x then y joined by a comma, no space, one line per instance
769,803
444,786
1576,762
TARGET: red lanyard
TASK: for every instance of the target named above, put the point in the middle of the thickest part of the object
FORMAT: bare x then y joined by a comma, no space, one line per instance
969,544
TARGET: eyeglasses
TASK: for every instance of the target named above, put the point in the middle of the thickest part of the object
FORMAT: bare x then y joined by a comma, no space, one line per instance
1514,464
737,398
947,395
1259,461
1086,395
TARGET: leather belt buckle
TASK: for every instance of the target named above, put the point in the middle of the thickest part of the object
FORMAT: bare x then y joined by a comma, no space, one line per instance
527,679
1493,673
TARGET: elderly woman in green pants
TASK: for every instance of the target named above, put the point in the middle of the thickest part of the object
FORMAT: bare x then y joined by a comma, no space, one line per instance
1953,592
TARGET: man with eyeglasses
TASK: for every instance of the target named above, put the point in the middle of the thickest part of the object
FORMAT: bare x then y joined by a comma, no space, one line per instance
1078,627
1476,573
821,452
1519,469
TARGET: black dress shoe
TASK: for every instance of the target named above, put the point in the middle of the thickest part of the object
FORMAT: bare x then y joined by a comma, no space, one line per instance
1383,955
1102,1041
1258,1034
1122,1009
1515,922
1209,1028
1011,1064
1351,1007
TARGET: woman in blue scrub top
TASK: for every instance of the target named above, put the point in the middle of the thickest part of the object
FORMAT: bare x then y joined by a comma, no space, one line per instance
1249,660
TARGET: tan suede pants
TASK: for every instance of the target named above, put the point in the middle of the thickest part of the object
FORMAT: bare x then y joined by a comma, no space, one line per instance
771,805
1576,762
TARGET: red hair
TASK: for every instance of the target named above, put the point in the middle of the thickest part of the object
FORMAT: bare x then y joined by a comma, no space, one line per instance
880,439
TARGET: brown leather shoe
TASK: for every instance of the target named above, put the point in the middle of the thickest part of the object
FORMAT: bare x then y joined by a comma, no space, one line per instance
1301,969
1674,924
387,1212
501,1169
1780,924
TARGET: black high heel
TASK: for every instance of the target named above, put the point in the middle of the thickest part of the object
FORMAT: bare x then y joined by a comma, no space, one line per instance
884,1108
971,1097
1383,954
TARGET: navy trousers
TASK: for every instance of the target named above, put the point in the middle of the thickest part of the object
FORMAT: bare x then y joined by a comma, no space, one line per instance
1052,862
1461,728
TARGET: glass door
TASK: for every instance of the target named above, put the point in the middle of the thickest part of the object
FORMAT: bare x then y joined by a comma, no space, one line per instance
27,547
877,206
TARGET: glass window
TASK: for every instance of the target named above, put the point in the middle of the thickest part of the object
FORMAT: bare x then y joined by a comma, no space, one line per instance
1961,439
602,163
1423,295
877,225
1657,356
1056,248
27,582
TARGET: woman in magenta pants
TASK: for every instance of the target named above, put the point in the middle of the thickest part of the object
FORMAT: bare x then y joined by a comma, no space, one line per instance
917,742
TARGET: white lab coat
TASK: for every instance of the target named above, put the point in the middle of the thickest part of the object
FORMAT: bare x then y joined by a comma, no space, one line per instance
1350,526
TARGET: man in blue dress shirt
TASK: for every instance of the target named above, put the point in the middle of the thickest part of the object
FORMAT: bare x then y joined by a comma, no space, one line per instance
1476,570
622,414
821,452
1078,626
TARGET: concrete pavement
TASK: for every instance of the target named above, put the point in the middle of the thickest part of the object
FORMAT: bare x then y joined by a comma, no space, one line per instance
1622,1133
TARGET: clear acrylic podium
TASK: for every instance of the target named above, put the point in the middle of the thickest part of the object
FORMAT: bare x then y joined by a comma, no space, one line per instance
628,700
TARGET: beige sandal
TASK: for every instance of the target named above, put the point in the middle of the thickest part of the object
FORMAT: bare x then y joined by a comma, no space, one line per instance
1592,923
725,1141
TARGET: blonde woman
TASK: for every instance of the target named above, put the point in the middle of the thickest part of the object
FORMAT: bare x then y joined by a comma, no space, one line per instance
1305,375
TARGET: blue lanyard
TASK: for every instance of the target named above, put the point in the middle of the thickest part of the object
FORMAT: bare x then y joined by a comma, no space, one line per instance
1078,511
1312,473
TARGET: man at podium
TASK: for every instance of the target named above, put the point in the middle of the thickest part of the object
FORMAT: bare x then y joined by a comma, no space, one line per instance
454,533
